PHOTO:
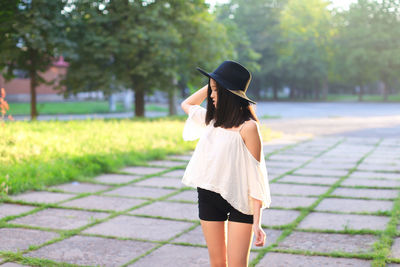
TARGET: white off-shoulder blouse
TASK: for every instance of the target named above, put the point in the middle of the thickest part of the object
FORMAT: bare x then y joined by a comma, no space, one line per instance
222,163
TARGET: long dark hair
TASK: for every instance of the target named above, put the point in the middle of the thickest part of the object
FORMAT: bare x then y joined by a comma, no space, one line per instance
231,111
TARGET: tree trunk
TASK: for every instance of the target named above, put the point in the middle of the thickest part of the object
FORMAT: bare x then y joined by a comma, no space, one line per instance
172,98
292,93
275,89
257,88
33,83
360,93
139,102
385,91
325,89
317,89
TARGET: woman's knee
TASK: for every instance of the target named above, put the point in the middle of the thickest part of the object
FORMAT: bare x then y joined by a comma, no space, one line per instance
218,262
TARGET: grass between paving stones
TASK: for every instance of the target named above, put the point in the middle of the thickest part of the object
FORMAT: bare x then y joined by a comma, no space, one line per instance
43,153
68,233
289,228
64,234
383,246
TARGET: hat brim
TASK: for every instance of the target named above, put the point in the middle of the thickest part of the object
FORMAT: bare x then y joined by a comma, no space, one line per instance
225,85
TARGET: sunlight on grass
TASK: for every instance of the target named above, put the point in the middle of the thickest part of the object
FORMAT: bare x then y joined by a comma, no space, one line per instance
38,154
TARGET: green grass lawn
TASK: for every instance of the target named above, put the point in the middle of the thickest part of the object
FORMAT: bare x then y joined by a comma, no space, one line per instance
43,153
86,107
366,98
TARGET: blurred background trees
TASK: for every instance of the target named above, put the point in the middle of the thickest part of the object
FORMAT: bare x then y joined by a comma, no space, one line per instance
295,49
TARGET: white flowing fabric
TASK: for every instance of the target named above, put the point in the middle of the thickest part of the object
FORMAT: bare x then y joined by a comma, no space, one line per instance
222,163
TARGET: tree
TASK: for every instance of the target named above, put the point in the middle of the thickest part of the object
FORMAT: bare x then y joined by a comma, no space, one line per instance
306,34
253,29
31,34
385,45
142,45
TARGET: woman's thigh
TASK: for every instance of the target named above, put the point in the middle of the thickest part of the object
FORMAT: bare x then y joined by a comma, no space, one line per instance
214,233
240,236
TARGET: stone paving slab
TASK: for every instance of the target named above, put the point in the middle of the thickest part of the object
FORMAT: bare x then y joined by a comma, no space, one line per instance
369,193
91,250
395,251
354,205
301,152
188,195
371,182
324,242
166,163
140,192
336,160
176,255
290,157
330,166
381,161
317,172
387,265
370,166
291,202
271,164
77,187
42,197
14,239
7,209
375,175
196,237
138,227
275,259
103,203
115,178
161,182
292,189
273,217
142,170
174,173
64,219
169,210
12,264
181,157
278,171
332,221
309,179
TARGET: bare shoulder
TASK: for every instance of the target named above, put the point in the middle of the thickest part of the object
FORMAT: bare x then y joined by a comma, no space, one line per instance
249,130
251,138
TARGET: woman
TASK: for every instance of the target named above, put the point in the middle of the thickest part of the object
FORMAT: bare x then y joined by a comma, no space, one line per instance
228,166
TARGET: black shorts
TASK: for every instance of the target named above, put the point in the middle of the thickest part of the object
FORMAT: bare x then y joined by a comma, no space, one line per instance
212,207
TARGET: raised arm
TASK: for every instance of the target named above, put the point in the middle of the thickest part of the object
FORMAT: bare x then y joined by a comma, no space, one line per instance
195,99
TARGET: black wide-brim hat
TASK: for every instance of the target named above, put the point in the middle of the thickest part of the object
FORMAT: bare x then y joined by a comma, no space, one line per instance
233,77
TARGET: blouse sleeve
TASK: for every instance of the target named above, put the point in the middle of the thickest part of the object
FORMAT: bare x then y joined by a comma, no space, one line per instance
258,178
195,123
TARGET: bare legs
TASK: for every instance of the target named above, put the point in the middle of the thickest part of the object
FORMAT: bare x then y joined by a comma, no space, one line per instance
214,233
240,236
235,251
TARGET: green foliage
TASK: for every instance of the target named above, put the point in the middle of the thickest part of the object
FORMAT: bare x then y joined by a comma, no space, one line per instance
140,45
306,34
32,33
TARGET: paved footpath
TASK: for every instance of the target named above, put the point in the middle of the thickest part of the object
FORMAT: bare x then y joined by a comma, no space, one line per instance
335,202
